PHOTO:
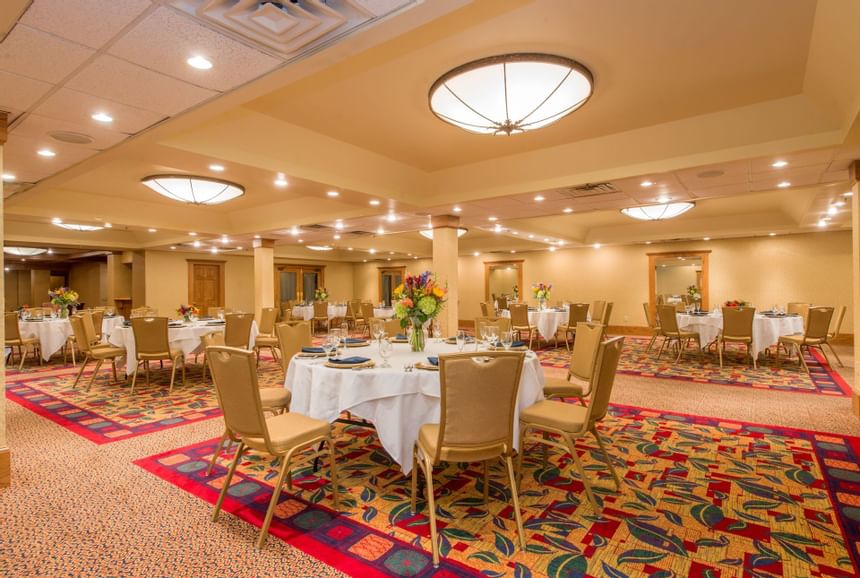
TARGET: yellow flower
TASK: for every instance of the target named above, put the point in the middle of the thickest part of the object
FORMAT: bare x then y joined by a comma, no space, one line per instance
438,292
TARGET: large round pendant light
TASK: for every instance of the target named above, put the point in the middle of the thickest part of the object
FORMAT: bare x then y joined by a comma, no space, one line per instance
194,190
658,212
511,93
24,251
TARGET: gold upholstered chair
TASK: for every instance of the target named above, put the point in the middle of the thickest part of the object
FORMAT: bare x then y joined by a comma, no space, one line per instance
151,343
485,310
737,328
88,342
834,334
98,322
390,327
354,316
503,302
597,310
580,366
653,326
266,337
815,335
672,334
237,330
520,321
321,315
801,309
15,340
607,314
145,311
570,421
292,336
282,435
576,313
470,380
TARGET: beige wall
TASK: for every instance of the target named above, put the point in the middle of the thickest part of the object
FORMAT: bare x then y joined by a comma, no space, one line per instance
675,280
16,289
88,280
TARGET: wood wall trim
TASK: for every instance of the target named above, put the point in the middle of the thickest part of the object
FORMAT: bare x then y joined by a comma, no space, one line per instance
4,122
5,468
382,270
488,264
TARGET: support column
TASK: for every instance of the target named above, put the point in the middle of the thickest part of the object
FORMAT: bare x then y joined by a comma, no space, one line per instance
445,265
5,457
855,286
264,275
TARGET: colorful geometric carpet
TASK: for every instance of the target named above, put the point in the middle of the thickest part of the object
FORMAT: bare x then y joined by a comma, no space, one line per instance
700,497
107,413
635,360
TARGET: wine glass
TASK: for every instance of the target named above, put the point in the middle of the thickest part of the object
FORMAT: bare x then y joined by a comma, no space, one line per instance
507,339
437,331
461,340
377,331
220,315
493,335
344,330
385,350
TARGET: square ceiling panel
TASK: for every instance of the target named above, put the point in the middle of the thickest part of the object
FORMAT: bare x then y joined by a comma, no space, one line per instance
35,54
715,175
20,158
818,158
87,22
20,92
165,40
722,191
40,127
73,106
121,81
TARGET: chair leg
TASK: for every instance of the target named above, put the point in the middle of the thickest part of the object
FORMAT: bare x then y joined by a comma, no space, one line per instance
777,355
800,357
22,353
276,493
146,369
486,483
414,478
81,371
172,375
608,459
431,505
133,377
721,348
752,355
516,500
95,373
836,355
224,437
680,351
827,359
335,486
226,482
579,469
183,370
113,366
523,431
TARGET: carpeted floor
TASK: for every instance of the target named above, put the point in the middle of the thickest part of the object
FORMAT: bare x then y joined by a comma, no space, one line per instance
83,509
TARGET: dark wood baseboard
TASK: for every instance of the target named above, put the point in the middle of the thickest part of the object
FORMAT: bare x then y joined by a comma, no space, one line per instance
5,468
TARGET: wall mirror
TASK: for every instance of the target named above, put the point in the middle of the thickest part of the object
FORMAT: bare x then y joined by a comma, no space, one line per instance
502,278
672,275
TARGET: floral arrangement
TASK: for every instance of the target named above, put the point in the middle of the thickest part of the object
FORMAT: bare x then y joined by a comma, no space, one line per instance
516,292
63,298
541,291
417,299
321,294
694,293
736,303
186,311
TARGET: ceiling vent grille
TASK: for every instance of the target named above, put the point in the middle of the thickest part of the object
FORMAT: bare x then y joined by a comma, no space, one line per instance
589,190
316,227
360,233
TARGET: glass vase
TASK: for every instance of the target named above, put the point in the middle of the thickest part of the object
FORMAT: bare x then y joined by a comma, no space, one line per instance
417,339
542,304
63,312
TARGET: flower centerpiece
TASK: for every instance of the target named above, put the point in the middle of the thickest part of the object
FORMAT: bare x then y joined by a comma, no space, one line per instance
736,303
187,312
64,298
418,299
541,292
321,294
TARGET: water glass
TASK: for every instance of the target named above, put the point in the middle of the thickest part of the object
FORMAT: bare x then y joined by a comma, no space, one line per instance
461,340
385,350
377,331
437,331
507,339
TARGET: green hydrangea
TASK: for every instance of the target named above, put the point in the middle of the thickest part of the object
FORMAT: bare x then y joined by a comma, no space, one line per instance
400,310
427,305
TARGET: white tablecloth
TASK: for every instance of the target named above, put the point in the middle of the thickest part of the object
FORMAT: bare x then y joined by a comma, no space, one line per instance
383,312
766,330
53,333
546,320
398,403
306,312
186,338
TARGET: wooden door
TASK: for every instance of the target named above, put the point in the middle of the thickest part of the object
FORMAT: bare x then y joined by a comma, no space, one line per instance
389,279
206,284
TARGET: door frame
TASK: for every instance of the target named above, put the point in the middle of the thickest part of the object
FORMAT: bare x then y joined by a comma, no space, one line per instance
220,264
401,269
300,268
518,263
652,276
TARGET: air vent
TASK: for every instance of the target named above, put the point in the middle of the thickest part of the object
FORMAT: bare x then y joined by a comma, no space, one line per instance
316,227
588,190
712,174
360,233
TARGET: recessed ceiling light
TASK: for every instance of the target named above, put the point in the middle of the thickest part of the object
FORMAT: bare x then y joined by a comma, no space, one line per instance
213,250
199,62
46,153
349,248
193,234
108,225
568,210
380,231
531,236
476,254
515,232
839,203
772,234
647,183
6,268
196,244
848,194
333,193
492,219
8,177
102,117
372,251
648,242
546,239
337,237
783,184
779,164
56,220
391,217
238,248
364,260
706,239
152,230
301,240
597,245
539,198
832,210
456,209
281,180
561,243
294,231
50,251
338,224
513,251
256,236
822,223
217,168
173,247
552,249
414,257
664,199
374,202
497,228
224,239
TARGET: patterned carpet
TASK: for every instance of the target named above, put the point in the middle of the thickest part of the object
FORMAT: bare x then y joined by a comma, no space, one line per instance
701,497
107,412
635,360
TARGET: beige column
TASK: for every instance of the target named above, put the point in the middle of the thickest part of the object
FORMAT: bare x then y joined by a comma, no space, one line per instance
5,464
855,260
445,257
264,275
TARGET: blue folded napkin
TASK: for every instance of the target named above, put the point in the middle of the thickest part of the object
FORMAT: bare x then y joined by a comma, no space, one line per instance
513,344
469,339
433,361
313,350
349,360
353,340
400,336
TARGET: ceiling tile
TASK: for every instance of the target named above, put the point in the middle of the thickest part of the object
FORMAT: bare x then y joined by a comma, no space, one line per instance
121,81
87,22
34,54
715,175
73,106
20,158
40,127
165,40
20,92
722,191
820,158
835,176
797,180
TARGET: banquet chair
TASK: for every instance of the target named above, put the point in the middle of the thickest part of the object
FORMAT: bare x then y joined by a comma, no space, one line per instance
489,380
672,334
597,309
576,313
354,315
390,327
485,309
320,315
291,338
266,338
801,309
84,330
145,311
572,422
14,339
815,335
520,321
237,330
214,311
503,302
98,322
653,327
580,366
737,328
282,435
607,314
832,335
151,343
501,324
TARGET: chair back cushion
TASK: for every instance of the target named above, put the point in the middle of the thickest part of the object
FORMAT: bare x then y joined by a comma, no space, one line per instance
603,378
607,314
585,346
837,325
501,323
801,309
321,309
77,323
648,317
485,310
503,302
668,320
577,313
519,314
98,321
234,372
291,338
354,309
90,332
237,329
13,331
818,322
367,311
738,323
597,309
268,316
150,335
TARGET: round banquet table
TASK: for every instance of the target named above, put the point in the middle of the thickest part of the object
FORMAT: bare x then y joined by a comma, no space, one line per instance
547,321
186,337
766,330
306,312
397,402
383,312
53,333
